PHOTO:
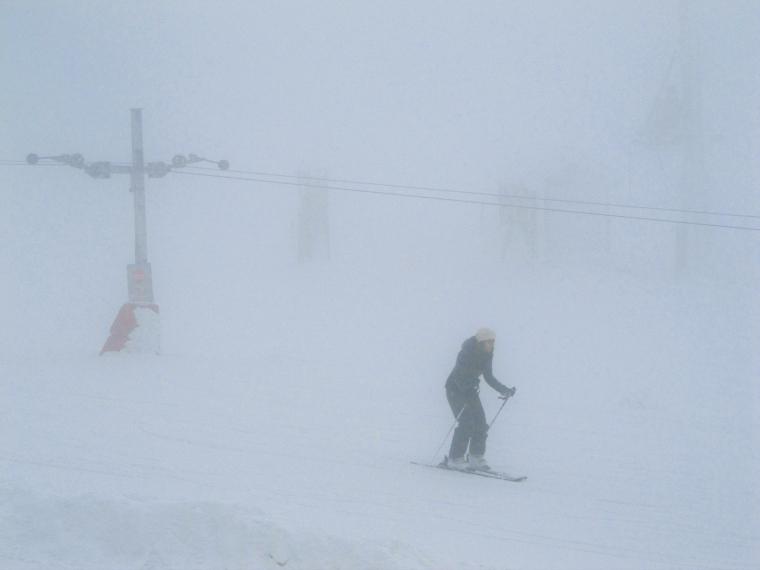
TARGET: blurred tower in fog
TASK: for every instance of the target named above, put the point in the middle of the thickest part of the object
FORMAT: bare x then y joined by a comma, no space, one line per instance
519,226
675,129
313,220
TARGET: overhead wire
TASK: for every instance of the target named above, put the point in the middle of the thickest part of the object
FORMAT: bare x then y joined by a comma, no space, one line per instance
483,193
25,164
465,201
501,204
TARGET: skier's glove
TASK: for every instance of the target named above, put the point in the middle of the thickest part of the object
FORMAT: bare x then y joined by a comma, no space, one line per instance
508,393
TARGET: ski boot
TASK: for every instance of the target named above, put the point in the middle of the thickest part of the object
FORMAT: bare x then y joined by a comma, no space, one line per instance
458,463
477,463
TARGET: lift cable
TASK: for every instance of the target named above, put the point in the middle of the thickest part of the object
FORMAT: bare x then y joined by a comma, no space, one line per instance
482,193
464,201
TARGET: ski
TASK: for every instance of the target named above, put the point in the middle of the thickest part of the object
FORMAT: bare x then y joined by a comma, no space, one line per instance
490,474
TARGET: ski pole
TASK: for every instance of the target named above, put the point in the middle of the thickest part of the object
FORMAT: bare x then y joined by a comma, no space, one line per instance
437,451
504,403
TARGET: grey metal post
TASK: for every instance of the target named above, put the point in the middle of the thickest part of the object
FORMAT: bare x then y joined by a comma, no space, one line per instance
137,180
139,279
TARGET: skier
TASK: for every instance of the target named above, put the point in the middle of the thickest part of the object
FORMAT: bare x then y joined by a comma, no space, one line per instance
462,386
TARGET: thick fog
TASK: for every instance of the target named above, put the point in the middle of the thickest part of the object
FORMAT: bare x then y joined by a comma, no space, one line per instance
564,100
604,125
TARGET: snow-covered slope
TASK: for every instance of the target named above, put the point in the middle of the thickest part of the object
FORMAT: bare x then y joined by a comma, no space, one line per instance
294,451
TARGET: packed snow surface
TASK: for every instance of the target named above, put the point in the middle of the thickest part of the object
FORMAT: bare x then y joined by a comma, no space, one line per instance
294,450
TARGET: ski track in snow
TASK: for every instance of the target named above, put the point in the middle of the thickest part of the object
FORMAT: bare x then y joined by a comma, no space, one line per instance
178,462
229,457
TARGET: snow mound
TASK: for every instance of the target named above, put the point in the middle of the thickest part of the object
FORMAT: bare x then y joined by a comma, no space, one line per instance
88,533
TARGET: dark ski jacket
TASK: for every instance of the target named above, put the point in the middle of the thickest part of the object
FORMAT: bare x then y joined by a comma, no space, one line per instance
472,361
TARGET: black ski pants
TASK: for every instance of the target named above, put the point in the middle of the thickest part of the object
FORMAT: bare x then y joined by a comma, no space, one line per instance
472,428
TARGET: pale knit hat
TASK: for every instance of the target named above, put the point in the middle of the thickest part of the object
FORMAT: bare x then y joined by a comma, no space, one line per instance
484,334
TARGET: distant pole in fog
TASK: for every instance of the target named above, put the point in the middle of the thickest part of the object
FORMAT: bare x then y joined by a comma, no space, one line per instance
139,279
137,179
313,221
137,326
519,227
674,128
